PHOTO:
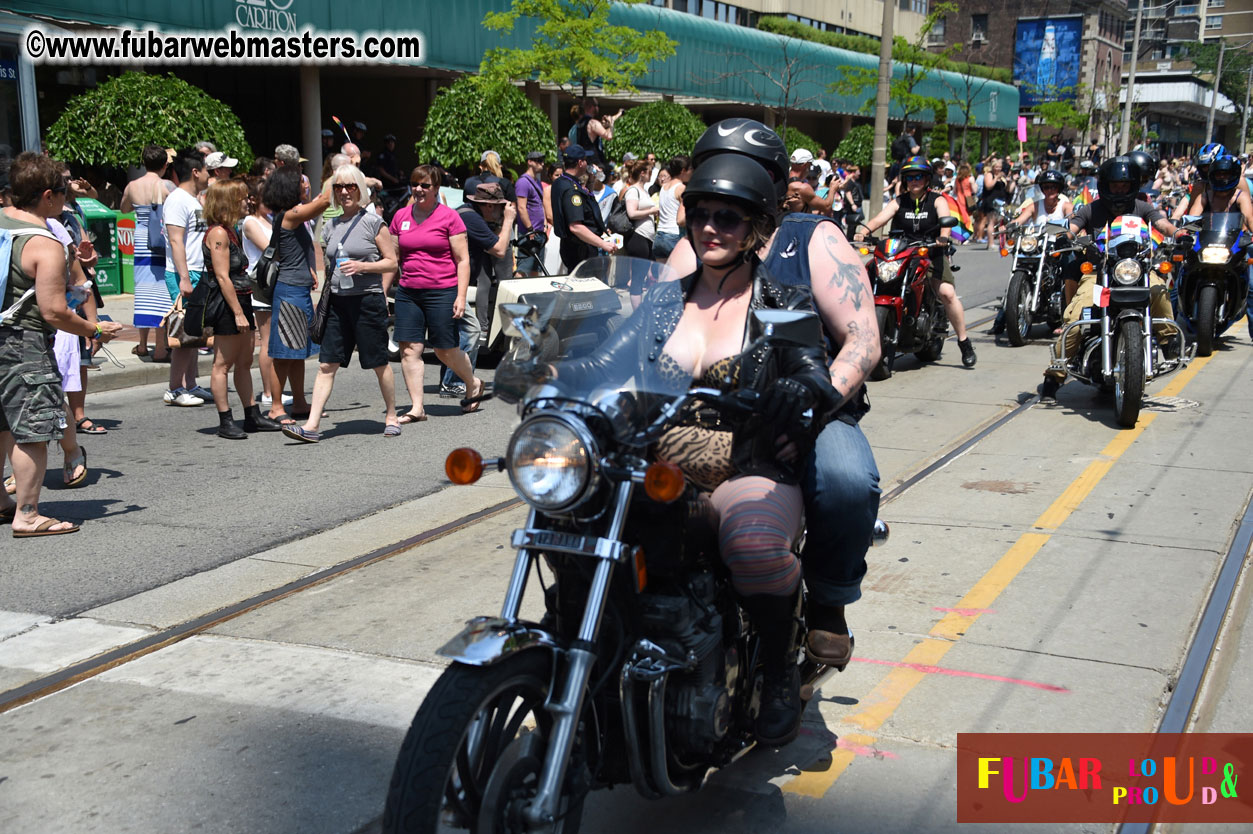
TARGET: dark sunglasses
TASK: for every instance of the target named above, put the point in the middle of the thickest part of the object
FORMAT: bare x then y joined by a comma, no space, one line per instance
915,177
345,186
724,220
423,185
1050,187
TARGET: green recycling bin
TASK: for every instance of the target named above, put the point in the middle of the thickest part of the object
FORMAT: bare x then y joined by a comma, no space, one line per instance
101,223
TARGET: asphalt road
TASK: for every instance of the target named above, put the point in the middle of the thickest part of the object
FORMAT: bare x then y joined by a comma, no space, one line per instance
166,498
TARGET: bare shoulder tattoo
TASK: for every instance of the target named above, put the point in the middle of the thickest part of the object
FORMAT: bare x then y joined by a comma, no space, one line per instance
848,274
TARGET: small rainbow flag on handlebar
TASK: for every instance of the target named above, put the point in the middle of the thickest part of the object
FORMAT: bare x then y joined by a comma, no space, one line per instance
961,233
1085,196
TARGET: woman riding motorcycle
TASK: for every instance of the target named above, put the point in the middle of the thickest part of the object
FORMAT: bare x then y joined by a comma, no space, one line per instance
1053,207
916,213
730,205
1224,193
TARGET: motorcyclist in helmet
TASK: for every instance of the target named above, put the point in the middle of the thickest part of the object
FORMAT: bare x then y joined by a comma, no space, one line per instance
1147,166
1224,194
841,481
1118,182
1053,207
730,203
1200,183
917,212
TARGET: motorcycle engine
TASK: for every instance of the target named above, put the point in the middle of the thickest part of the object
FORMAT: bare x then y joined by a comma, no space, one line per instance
922,327
698,701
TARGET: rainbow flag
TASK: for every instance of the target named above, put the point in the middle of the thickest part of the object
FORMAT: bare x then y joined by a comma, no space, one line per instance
962,232
1084,197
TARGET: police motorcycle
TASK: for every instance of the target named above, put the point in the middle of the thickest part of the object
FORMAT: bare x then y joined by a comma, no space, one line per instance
910,314
642,669
1117,351
1213,287
1034,293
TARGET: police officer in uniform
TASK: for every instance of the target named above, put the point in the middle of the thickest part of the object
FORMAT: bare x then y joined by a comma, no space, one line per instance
576,219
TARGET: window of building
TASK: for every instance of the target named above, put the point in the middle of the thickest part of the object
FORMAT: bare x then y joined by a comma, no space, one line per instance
919,6
978,28
936,35
1213,21
1216,4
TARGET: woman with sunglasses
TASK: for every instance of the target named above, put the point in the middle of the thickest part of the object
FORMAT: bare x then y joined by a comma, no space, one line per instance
360,263
434,280
730,204
916,213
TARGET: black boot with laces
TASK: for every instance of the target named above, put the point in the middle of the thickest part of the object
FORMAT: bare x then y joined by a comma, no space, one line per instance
968,352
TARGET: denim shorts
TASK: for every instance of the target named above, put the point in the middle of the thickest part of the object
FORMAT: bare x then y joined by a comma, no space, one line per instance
289,329
425,317
664,243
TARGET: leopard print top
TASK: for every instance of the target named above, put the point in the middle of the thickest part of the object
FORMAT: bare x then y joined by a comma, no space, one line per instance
703,452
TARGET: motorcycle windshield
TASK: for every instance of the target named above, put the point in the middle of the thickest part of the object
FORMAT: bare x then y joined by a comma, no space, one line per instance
1125,235
1220,228
626,381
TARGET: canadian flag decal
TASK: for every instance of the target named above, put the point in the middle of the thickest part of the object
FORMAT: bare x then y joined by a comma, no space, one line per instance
1100,296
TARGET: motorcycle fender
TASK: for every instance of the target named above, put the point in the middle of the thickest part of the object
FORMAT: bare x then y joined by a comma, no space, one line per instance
1126,296
488,640
894,301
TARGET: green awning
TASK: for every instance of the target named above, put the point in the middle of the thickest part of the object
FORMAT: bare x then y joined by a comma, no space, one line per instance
713,61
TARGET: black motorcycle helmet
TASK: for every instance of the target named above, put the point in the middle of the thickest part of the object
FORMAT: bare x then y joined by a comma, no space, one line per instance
1056,178
749,138
1147,166
1118,169
1224,173
736,179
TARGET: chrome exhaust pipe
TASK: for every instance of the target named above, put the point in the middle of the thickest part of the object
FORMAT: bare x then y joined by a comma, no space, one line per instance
879,536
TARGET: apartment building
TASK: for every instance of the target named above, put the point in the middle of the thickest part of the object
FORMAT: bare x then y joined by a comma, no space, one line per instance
853,17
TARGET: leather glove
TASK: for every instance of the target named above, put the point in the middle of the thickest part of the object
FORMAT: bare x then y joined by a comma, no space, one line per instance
514,379
782,404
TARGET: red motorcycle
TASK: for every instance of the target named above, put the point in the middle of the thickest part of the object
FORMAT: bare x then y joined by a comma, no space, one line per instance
910,314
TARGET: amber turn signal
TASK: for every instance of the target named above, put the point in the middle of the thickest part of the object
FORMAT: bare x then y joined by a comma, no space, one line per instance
1087,268
1004,252
1165,267
922,251
663,481
463,466
864,250
641,570
1177,258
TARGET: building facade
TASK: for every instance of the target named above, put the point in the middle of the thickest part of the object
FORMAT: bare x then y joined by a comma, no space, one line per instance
853,17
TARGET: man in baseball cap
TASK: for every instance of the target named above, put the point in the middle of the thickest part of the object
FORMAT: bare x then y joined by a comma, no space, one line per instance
221,167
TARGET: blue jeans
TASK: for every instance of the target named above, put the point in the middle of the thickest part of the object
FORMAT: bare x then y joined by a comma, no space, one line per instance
469,328
841,487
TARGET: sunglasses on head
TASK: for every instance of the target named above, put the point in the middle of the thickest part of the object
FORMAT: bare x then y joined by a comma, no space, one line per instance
724,220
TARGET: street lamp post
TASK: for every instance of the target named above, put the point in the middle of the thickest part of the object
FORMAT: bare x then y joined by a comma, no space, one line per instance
1125,138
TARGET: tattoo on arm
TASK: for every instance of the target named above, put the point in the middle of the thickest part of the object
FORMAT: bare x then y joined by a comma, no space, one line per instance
846,273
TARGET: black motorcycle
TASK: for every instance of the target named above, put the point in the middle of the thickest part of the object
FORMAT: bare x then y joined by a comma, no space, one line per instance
643,667
1034,294
1213,286
1118,351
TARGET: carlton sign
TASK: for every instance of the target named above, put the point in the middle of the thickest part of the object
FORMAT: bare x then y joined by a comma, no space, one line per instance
266,15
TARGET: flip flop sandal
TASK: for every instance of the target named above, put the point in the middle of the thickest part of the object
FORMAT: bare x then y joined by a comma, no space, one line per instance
95,428
468,407
79,460
44,529
410,417
391,431
10,485
302,434
138,351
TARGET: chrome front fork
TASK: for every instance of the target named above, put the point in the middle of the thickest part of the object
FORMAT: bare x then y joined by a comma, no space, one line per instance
543,809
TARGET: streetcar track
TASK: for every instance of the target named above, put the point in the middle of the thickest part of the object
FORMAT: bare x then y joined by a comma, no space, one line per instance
98,664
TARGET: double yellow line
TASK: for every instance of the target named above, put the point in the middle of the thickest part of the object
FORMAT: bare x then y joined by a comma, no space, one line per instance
883,700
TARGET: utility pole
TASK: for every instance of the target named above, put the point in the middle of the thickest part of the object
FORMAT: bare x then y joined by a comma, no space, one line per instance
1244,119
878,164
1213,101
1125,139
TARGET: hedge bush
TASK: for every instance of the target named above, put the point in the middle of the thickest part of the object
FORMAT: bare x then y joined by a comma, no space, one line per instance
857,146
476,114
660,127
111,124
795,138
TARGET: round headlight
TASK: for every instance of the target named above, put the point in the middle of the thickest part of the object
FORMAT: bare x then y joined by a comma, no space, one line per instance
550,463
1127,271
888,270
1028,243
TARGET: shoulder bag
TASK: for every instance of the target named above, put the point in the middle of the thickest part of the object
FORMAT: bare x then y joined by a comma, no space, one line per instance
619,222
322,312
175,331
264,274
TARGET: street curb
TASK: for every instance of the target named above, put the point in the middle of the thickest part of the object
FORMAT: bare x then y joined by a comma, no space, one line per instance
133,375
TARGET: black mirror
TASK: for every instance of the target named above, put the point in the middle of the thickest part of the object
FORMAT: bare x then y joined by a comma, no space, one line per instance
948,222
795,327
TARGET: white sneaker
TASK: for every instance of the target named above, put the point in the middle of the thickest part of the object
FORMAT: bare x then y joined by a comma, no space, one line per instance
169,396
187,399
288,399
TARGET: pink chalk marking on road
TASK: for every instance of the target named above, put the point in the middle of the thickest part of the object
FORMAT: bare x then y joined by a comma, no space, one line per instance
855,749
938,670
966,612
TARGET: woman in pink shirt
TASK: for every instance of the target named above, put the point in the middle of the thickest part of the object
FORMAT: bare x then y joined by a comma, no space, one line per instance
434,279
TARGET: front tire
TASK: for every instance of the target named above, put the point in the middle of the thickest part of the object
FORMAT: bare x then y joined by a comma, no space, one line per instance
1206,318
887,351
475,724
1129,377
1018,309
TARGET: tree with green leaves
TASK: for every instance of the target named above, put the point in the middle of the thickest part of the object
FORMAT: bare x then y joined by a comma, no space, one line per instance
574,44
1237,66
477,113
111,124
969,89
857,146
660,127
1063,114
856,81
